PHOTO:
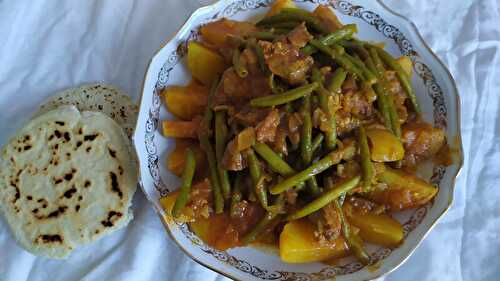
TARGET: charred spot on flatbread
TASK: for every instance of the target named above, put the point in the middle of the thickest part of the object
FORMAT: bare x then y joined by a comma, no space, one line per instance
87,183
112,152
112,216
49,238
115,185
69,193
90,137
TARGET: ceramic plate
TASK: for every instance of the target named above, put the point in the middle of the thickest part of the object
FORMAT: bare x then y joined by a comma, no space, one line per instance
437,95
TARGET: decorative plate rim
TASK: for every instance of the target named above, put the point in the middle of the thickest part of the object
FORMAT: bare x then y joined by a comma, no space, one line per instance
457,145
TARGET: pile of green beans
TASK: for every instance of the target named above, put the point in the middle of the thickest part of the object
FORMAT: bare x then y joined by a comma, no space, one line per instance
306,165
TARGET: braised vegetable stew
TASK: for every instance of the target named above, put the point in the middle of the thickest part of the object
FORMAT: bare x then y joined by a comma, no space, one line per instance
298,134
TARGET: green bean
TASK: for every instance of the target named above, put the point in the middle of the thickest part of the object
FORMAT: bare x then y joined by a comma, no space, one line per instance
306,136
187,179
211,159
220,145
396,126
260,55
393,114
238,66
224,182
236,196
252,197
353,240
285,24
329,50
268,219
313,186
220,134
338,78
316,143
369,76
402,76
321,165
323,95
347,31
294,14
256,174
382,94
285,97
357,46
272,217
213,174
366,163
263,35
272,84
281,31
325,198
340,59
276,163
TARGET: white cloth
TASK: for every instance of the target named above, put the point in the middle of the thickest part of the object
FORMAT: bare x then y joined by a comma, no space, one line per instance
46,46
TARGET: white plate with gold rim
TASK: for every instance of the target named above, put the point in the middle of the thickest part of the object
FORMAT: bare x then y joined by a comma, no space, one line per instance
437,95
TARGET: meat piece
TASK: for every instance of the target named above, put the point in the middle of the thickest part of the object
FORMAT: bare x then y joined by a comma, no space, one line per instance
356,104
286,61
299,36
280,145
320,120
239,209
294,122
237,91
199,204
332,219
362,205
233,159
249,58
247,218
327,17
421,141
250,117
328,224
266,129
354,107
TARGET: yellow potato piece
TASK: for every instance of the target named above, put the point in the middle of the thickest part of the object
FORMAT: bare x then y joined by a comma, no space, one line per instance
385,147
298,244
180,129
167,202
279,5
406,64
204,64
185,102
377,229
216,32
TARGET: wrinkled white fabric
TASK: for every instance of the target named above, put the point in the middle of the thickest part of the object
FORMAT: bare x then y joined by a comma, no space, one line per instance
46,46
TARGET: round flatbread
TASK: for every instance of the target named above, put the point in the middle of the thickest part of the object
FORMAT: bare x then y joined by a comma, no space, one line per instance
67,178
97,97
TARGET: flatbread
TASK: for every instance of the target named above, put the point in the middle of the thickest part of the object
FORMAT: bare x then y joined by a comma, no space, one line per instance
97,97
67,178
